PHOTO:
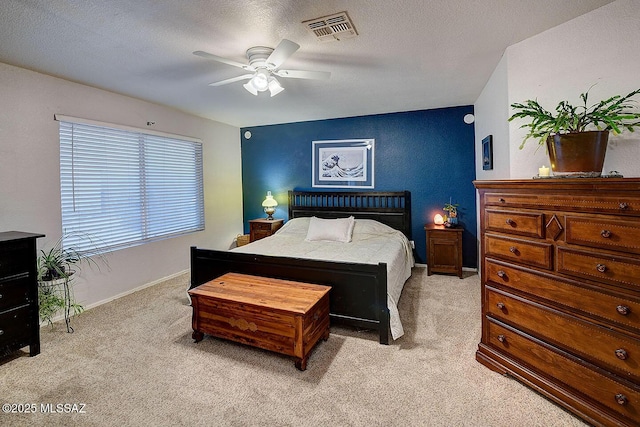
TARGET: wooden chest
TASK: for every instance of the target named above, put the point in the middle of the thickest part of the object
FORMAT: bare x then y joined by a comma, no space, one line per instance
561,291
279,315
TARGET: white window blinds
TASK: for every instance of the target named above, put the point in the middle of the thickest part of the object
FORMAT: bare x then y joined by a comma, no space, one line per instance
122,188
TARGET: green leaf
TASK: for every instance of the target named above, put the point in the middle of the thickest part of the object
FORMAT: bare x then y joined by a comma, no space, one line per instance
614,113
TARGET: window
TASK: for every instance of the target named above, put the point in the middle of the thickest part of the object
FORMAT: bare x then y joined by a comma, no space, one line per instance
121,187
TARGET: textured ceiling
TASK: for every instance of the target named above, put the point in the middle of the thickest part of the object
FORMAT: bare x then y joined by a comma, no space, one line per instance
409,54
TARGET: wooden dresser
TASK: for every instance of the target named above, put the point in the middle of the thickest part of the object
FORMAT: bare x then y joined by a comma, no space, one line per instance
560,275
19,319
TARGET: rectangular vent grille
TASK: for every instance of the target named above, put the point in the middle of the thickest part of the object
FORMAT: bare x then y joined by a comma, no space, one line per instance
331,28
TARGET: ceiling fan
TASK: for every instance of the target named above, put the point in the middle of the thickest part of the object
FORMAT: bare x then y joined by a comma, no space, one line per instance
264,66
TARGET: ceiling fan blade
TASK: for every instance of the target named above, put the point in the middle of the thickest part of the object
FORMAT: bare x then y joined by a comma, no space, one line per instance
301,74
231,80
213,57
282,52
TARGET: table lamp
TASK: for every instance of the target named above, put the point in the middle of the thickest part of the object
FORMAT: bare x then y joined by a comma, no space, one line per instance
269,205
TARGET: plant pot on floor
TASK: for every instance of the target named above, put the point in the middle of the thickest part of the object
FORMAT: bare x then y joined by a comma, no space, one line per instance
579,154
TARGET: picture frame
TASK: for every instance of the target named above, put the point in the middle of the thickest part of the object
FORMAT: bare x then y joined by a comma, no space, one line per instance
487,153
345,163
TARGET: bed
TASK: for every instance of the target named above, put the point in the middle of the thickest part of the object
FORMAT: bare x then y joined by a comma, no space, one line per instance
360,294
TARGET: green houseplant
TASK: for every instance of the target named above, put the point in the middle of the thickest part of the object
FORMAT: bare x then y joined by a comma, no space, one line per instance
56,268
452,212
576,136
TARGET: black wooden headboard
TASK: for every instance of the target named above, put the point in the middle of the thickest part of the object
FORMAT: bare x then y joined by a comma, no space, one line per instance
390,208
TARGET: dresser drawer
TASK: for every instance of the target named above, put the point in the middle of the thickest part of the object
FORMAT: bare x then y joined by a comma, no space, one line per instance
620,310
15,258
14,324
601,346
615,270
557,368
14,292
261,226
566,202
522,251
617,235
513,222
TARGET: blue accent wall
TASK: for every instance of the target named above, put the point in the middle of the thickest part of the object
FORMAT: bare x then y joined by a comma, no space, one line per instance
429,152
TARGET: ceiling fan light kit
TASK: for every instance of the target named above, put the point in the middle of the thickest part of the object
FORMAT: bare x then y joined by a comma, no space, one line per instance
262,81
264,66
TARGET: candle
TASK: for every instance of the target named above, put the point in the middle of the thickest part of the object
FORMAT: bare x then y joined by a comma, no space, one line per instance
543,171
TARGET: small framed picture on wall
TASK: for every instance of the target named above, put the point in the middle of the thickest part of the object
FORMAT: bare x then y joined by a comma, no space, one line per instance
487,153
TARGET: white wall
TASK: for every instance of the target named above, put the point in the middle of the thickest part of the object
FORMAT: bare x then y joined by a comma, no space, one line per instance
492,117
599,47
30,174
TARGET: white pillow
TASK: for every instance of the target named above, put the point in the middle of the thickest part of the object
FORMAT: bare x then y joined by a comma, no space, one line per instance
332,230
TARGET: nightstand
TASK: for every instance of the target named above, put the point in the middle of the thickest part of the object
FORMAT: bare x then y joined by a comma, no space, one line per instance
444,249
261,228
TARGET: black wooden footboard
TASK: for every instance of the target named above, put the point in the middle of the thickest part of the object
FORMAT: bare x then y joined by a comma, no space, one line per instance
358,291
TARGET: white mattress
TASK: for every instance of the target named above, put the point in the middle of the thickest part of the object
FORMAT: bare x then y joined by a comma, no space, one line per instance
372,242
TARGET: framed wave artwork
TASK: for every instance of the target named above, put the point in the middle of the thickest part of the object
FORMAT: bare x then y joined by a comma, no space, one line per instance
347,163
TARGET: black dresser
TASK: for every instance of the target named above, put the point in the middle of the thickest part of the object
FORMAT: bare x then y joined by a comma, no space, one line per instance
19,320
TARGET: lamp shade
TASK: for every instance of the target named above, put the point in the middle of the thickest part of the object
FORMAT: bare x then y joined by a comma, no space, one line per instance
269,202
250,88
261,80
274,86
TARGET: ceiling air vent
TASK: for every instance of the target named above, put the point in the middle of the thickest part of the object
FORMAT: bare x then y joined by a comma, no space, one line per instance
331,28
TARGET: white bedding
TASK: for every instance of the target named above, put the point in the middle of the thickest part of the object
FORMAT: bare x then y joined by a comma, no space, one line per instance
372,242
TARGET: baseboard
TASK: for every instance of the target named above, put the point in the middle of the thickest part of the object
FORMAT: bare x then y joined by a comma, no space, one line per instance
123,294
475,270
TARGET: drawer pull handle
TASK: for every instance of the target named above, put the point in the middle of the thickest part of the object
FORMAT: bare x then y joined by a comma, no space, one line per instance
1,332
502,274
502,338
510,222
621,399
623,205
500,305
501,200
0,296
513,250
605,233
601,268
623,309
621,354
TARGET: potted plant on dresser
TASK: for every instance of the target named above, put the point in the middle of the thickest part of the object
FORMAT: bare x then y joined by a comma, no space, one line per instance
56,268
576,137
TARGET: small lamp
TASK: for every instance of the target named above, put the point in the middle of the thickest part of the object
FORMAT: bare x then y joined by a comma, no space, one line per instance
269,205
438,219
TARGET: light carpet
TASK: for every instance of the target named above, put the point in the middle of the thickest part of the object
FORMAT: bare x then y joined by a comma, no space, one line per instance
132,362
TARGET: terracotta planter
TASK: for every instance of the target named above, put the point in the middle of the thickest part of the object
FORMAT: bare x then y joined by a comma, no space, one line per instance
578,154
